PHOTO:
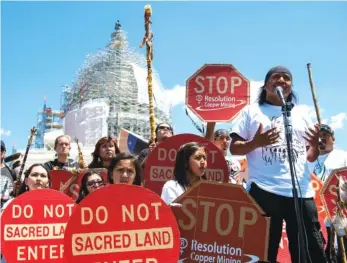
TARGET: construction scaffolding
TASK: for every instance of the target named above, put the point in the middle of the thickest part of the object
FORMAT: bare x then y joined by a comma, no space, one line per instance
49,123
113,83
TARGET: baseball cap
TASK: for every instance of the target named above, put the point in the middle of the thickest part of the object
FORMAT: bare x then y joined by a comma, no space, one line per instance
3,147
326,128
221,133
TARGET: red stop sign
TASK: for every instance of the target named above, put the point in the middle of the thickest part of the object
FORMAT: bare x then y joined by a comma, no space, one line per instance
122,223
329,192
221,223
217,92
33,226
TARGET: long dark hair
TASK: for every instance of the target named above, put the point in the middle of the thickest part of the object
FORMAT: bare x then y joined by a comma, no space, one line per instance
125,156
83,190
24,188
181,168
97,162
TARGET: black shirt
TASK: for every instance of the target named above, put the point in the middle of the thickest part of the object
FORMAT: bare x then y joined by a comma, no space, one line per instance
56,165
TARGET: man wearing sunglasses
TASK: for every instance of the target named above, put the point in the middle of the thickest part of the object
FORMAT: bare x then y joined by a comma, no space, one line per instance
162,132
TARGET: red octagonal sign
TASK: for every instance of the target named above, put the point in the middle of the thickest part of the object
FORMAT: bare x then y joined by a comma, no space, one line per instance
217,92
329,193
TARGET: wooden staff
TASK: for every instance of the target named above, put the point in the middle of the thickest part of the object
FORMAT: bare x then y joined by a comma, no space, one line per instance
149,48
315,101
81,162
30,142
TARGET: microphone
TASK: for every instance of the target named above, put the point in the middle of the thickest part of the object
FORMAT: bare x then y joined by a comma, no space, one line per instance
279,91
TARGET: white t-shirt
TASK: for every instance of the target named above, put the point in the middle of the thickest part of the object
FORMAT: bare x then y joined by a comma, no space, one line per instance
171,190
324,164
268,166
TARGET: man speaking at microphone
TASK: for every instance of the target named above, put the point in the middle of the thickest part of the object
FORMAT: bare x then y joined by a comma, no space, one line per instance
259,133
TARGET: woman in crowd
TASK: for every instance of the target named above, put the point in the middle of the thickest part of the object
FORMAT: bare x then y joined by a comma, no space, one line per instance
90,182
125,169
36,177
105,149
190,167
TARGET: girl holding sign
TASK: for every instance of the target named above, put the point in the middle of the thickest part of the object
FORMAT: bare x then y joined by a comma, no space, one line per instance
90,182
124,169
36,177
190,167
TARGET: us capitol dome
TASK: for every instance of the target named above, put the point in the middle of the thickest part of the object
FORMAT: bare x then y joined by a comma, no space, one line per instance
109,92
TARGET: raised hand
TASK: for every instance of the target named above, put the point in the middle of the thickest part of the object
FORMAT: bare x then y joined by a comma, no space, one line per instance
265,138
152,146
312,137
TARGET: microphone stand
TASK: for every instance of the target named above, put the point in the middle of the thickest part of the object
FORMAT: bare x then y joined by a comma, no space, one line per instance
286,111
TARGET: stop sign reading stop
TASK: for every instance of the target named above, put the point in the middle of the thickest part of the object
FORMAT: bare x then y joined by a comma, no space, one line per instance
217,92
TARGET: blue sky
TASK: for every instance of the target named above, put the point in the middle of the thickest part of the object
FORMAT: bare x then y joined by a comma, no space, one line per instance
44,43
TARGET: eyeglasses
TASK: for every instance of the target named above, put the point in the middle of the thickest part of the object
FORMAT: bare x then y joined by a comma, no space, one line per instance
94,183
164,128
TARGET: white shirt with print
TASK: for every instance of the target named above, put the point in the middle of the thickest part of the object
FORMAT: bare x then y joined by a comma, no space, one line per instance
268,166
325,163
171,190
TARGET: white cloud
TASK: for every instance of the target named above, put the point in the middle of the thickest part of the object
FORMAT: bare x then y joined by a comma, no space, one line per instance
325,121
176,95
337,121
5,133
309,109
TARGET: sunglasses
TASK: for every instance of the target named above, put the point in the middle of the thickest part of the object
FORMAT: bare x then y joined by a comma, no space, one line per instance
94,183
164,128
